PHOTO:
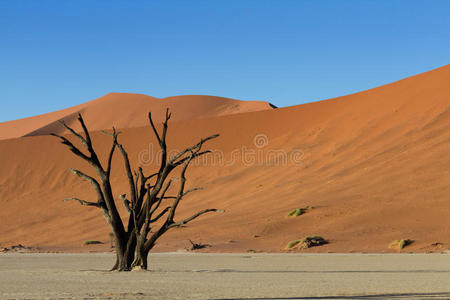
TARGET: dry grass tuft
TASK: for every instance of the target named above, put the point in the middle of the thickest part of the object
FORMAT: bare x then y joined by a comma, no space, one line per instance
298,211
91,242
307,242
400,244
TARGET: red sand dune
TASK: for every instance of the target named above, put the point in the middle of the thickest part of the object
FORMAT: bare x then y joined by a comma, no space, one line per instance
124,110
375,166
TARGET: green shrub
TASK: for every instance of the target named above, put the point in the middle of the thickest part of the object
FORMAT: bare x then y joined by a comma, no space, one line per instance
400,244
313,241
307,242
298,211
91,242
292,244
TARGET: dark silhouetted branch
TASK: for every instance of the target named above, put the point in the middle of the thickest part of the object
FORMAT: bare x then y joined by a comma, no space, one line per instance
79,136
93,182
72,147
193,217
194,148
83,202
126,203
160,215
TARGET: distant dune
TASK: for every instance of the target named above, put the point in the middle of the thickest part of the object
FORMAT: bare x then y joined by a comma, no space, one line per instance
124,110
375,166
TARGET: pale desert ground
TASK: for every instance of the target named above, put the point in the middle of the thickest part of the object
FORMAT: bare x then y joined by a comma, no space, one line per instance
228,276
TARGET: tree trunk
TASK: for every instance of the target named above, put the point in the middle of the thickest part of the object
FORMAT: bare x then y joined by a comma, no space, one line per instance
129,254
141,258
121,263
134,255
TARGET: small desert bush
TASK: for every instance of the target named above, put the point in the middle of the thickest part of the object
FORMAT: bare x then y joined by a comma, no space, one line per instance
400,244
298,211
312,241
292,244
91,242
307,242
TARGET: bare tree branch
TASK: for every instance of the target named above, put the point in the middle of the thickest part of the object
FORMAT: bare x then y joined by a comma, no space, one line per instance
85,130
114,135
93,182
195,155
180,189
162,195
83,202
168,115
151,176
79,136
72,147
126,203
154,128
161,140
92,158
184,193
192,148
143,190
129,173
162,213
193,217
193,190
138,176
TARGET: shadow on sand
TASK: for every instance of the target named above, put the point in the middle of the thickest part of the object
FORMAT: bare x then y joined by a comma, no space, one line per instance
414,296
317,272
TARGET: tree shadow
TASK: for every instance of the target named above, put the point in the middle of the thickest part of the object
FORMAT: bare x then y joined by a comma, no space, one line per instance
320,272
414,296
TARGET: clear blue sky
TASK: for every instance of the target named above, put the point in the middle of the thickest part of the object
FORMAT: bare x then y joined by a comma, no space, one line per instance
56,54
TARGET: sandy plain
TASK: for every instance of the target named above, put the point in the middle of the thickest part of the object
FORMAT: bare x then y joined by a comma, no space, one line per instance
227,276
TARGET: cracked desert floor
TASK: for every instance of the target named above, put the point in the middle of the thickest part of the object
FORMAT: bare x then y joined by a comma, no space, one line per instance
227,276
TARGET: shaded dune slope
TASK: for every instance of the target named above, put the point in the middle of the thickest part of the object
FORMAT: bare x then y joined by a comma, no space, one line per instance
374,165
124,110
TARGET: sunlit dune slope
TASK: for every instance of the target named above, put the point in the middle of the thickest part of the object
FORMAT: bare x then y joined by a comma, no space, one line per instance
374,165
124,110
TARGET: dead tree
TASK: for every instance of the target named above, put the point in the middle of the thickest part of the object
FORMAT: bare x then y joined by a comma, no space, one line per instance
151,212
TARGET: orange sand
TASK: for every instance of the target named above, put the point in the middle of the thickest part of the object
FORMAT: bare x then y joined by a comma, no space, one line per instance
375,166
124,110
